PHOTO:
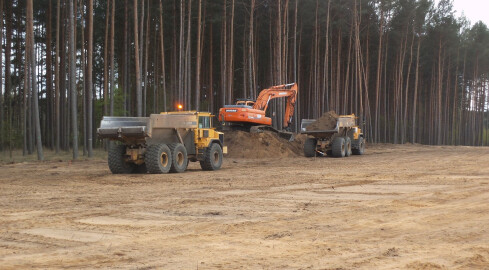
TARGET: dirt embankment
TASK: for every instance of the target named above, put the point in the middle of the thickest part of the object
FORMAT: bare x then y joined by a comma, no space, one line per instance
326,122
269,145
261,145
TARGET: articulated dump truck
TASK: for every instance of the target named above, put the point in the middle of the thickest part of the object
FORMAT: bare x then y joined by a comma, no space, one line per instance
338,136
162,143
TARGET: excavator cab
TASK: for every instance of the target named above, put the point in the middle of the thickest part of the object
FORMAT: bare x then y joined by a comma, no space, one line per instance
245,102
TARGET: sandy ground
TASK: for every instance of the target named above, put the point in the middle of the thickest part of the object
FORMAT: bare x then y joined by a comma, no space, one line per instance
407,207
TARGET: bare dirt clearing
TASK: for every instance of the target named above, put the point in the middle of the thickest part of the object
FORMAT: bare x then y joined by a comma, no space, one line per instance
409,207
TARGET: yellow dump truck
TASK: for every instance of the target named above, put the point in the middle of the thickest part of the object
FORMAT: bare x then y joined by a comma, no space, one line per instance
162,143
345,139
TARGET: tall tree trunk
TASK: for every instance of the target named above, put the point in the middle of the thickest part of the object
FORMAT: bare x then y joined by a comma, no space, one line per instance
30,34
56,83
89,77
199,57
127,93
106,66
24,103
230,79
180,53
406,97
439,102
146,55
211,81
74,94
325,94
141,50
251,71
139,100
415,100
162,42
379,75
84,84
8,63
188,57
224,53
49,78
1,72
112,56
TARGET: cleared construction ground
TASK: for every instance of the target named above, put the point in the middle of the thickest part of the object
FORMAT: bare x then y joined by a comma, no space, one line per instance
408,207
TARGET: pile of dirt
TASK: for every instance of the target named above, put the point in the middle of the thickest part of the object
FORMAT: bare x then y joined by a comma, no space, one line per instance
261,145
326,122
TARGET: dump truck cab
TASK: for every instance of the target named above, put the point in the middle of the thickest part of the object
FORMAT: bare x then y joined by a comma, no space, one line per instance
204,134
163,142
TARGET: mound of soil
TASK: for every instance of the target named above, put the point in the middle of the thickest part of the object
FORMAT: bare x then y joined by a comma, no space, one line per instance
326,122
261,145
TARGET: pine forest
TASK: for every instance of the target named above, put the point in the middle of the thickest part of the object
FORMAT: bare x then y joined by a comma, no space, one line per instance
411,70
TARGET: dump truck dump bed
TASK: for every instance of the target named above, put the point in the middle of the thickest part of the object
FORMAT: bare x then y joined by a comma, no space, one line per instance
156,127
341,122
113,127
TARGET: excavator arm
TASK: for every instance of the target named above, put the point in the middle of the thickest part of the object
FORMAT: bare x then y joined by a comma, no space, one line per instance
288,91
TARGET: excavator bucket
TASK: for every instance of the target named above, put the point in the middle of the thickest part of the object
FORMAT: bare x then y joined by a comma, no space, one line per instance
289,136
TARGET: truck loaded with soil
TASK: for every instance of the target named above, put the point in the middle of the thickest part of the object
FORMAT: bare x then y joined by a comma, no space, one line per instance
333,135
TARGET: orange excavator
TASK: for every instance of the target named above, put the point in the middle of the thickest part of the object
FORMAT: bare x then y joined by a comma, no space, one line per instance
249,115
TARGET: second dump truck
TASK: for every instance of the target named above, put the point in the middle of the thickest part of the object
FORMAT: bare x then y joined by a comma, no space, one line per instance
162,143
342,140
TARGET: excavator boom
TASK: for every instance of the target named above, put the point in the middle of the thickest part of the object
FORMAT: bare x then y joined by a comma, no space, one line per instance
288,91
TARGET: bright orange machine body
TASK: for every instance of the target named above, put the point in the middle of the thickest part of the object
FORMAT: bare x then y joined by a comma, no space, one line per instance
253,113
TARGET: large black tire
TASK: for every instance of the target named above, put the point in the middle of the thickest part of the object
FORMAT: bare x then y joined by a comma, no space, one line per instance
310,147
179,158
348,149
359,147
212,158
158,158
338,147
117,162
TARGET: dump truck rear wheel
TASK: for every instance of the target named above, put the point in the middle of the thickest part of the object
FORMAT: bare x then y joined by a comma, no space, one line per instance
179,158
338,147
158,158
359,148
117,162
310,147
348,150
212,158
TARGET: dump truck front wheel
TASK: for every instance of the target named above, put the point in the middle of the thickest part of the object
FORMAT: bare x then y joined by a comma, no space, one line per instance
179,157
348,150
117,161
359,148
338,147
310,147
158,158
212,158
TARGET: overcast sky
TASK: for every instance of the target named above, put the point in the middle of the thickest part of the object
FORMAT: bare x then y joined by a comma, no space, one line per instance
474,10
